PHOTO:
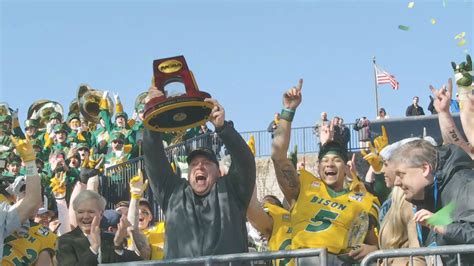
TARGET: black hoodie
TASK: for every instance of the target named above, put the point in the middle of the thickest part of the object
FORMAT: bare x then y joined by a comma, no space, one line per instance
455,179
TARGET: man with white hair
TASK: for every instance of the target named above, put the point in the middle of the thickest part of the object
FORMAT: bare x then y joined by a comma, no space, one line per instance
87,244
431,178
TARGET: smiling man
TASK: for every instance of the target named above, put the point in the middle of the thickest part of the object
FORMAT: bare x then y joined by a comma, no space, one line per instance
431,178
205,214
87,244
323,209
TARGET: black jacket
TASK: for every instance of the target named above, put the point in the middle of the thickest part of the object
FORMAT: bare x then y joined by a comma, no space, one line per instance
414,111
455,179
74,249
203,225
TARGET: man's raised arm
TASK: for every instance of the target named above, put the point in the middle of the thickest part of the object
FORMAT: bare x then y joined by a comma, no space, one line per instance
242,172
160,175
449,131
285,172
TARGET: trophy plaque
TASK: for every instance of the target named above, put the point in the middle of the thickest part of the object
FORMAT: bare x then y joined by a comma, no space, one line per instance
175,113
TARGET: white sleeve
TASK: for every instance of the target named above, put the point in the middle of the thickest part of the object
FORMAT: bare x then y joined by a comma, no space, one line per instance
63,217
9,219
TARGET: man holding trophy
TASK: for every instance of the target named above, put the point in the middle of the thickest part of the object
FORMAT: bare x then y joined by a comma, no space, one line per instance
205,214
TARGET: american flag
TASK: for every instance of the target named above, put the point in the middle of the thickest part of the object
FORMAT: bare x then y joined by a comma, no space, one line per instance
383,77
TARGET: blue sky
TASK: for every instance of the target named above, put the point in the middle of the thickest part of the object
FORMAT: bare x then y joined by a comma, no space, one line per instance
244,53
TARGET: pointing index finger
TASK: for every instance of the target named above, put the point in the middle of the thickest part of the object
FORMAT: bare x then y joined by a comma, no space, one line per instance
384,132
300,85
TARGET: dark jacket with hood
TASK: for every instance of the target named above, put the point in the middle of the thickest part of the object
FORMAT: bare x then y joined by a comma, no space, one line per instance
455,180
212,224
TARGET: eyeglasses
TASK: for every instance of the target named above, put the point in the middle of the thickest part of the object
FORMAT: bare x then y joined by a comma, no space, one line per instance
144,213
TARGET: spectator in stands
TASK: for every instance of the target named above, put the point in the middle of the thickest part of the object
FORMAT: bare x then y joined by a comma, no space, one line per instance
273,125
13,166
310,226
122,208
341,132
398,229
454,106
362,125
31,130
110,220
382,114
118,153
198,205
318,127
273,222
431,178
87,244
431,107
345,132
414,109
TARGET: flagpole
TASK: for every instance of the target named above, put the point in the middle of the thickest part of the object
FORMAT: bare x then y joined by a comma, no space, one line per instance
376,88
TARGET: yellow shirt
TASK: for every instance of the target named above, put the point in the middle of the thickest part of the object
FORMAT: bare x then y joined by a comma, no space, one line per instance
156,238
322,218
281,231
23,249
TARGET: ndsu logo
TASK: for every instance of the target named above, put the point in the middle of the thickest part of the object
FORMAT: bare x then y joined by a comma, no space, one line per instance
170,66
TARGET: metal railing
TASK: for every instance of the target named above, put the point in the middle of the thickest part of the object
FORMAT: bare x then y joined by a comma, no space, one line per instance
412,252
304,137
255,258
115,187
115,182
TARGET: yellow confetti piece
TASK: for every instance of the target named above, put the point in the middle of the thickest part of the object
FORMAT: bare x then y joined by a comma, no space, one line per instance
433,21
411,4
460,35
462,42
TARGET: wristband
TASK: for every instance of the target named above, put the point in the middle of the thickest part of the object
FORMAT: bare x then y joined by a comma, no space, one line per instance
287,114
136,196
30,168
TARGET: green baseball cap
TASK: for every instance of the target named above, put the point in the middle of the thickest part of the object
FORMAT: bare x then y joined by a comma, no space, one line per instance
5,118
31,123
73,116
121,114
117,136
60,127
55,115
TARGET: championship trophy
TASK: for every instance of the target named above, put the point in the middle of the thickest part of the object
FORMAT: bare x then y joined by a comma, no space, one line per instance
178,112
356,235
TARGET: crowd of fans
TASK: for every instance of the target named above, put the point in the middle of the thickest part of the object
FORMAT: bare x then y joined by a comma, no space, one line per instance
52,212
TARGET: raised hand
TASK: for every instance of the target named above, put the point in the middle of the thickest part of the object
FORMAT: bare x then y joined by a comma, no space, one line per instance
122,231
442,97
217,116
116,97
153,92
292,98
94,236
58,185
326,133
381,142
137,186
24,148
352,167
373,158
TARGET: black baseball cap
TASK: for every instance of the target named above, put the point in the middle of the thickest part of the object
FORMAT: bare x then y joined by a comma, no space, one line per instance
208,153
333,147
